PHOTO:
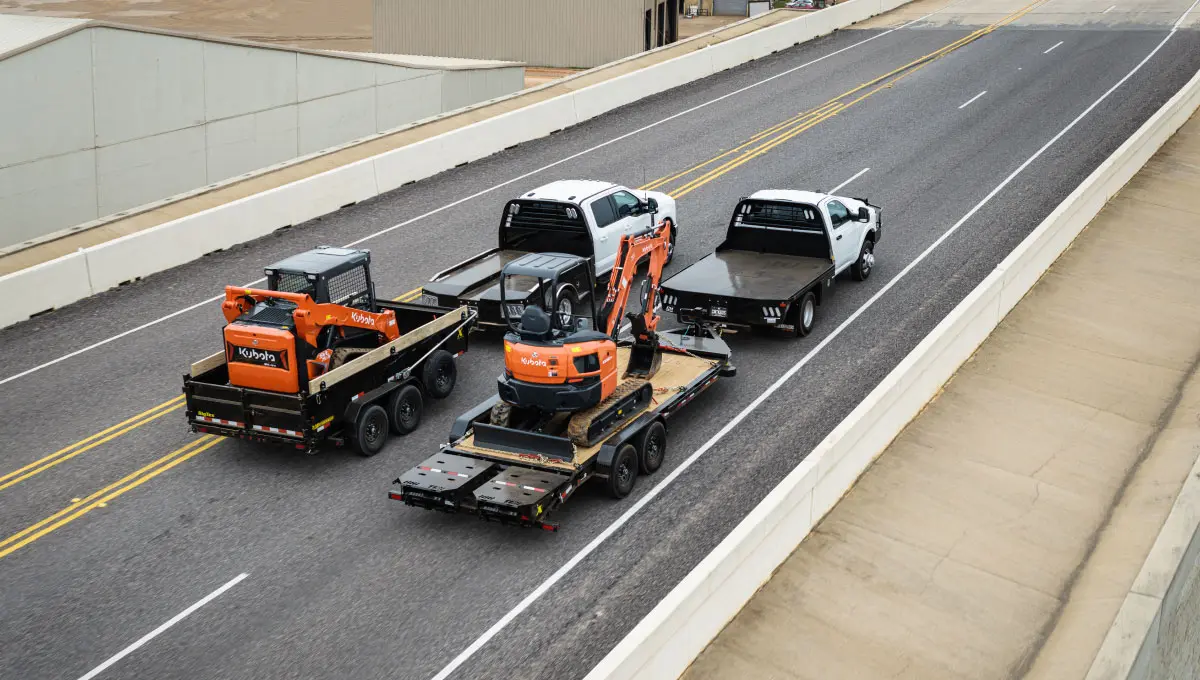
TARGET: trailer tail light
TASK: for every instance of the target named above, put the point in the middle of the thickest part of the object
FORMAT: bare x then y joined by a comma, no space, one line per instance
396,495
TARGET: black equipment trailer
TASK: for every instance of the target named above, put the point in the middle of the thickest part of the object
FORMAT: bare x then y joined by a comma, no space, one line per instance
519,474
770,272
359,401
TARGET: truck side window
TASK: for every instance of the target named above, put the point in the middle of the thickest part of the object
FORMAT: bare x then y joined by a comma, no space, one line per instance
603,212
838,214
625,203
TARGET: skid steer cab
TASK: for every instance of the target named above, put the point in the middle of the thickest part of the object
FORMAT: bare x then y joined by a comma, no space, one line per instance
316,356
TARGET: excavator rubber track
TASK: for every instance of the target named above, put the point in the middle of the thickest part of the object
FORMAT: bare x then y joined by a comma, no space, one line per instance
628,400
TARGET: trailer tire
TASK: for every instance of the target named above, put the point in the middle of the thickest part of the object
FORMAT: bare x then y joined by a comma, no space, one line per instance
806,314
623,474
439,374
861,269
404,409
370,430
653,448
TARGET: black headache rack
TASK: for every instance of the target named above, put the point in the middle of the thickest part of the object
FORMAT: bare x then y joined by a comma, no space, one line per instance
526,226
524,491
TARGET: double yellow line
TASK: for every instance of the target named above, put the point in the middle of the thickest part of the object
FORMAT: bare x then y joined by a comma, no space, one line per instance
82,506
757,145
781,132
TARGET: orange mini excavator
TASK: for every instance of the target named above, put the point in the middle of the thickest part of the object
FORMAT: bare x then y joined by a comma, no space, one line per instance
555,363
319,311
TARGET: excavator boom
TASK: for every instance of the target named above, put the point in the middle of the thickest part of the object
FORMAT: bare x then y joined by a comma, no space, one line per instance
653,243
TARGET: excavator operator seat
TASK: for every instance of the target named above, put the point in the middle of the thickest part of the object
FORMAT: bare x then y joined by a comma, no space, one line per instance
535,325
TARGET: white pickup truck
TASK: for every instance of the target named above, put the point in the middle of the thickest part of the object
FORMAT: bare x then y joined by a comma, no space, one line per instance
576,217
780,253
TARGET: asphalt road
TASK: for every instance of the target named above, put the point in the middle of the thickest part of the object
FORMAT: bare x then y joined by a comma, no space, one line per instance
345,583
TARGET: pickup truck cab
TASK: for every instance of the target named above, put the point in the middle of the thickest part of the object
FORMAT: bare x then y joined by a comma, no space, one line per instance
782,249
572,217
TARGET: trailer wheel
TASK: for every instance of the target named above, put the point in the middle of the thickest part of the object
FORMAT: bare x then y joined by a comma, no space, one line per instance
806,314
653,449
371,430
861,269
624,471
439,374
404,409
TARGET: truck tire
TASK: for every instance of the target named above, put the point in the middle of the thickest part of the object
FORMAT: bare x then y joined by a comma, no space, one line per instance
566,303
806,314
861,269
653,448
623,474
404,409
671,242
370,432
439,374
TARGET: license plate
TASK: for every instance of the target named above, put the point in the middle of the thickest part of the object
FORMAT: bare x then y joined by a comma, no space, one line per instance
718,311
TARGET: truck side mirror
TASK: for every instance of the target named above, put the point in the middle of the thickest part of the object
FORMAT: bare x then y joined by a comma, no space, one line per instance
651,205
864,215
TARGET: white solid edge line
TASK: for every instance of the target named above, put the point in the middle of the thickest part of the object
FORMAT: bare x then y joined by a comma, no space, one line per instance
1182,17
1054,46
1109,9
858,174
158,631
972,99
674,474
475,195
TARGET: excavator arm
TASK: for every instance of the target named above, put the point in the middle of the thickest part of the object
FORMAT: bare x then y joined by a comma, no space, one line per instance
310,316
653,243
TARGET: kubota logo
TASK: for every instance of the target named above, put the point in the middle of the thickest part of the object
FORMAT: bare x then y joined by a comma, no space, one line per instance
533,362
361,318
255,355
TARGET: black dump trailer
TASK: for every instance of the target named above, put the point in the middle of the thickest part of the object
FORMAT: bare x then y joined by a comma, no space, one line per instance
770,272
519,474
358,402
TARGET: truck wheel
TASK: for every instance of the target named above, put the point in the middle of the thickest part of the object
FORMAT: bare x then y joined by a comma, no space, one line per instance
404,409
439,374
806,314
861,269
653,448
670,242
371,430
624,471
501,414
565,306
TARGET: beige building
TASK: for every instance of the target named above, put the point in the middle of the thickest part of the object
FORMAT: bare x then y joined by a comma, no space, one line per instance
556,33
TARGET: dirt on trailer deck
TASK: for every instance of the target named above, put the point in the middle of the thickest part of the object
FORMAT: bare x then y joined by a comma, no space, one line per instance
677,372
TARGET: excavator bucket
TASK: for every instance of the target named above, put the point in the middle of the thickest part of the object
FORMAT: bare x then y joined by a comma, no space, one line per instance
644,357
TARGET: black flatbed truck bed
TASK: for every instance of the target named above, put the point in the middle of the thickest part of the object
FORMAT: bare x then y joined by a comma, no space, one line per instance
519,477
326,407
761,276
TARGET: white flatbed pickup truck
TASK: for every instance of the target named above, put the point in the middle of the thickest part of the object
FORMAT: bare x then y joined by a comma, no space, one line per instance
575,217
783,248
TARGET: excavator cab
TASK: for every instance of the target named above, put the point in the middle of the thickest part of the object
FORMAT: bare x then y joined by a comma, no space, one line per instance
553,290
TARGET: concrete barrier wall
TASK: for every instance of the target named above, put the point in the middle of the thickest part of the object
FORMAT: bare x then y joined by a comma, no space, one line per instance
191,237
666,641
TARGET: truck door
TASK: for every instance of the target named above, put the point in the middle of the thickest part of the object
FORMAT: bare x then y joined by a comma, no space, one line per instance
606,232
844,235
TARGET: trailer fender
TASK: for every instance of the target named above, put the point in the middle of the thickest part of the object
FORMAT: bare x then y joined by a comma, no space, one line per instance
628,435
375,396
466,420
